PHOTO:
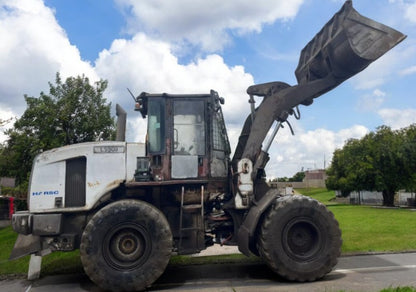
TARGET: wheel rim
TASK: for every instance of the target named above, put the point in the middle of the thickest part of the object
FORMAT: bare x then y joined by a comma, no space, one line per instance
126,246
302,239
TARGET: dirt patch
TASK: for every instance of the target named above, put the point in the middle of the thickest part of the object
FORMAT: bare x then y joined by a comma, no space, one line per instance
217,249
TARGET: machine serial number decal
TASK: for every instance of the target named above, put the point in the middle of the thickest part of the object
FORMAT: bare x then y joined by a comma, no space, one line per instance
108,149
45,193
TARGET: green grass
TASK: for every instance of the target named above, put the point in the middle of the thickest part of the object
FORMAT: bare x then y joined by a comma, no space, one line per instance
69,262
396,289
7,239
54,263
370,229
321,194
400,289
364,229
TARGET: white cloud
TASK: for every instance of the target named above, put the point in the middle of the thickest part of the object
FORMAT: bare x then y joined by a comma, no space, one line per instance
410,13
408,8
307,150
33,48
381,71
396,118
408,71
204,23
145,64
371,101
143,72
137,64
6,116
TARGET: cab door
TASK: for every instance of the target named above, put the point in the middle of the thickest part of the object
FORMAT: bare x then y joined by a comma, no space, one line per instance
189,138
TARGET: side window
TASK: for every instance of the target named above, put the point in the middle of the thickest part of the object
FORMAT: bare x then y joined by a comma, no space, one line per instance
219,133
189,127
156,126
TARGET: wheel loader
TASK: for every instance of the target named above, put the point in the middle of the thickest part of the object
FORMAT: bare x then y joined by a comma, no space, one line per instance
129,206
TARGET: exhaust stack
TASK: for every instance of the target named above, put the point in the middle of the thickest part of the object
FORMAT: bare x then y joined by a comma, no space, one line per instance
121,123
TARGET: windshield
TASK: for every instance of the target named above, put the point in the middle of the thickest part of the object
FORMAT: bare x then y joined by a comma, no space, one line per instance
189,127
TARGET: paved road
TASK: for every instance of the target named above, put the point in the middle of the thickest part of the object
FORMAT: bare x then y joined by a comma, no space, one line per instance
354,273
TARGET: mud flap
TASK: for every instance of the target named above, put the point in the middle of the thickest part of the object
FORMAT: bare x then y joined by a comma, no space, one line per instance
25,245
247,230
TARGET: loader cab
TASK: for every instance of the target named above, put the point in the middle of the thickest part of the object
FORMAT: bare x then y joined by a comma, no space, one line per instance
186,136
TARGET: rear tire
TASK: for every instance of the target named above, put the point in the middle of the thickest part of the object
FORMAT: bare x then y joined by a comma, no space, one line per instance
300,239
126,246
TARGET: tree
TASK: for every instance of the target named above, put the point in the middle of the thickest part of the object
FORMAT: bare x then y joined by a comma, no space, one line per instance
380,161
299,176
74,111
388,162
349,168
4,122
409,154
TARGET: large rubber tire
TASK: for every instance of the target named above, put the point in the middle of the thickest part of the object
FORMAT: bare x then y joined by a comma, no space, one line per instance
299,239
126,246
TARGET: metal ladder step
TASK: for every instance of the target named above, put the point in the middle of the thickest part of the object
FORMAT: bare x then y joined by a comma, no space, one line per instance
190,208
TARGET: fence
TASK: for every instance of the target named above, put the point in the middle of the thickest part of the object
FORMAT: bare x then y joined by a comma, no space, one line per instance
402,198
6,207
406,199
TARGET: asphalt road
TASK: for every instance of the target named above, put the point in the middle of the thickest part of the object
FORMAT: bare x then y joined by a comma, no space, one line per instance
353,273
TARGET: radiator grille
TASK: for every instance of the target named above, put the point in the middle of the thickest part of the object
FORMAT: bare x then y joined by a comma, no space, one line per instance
75,182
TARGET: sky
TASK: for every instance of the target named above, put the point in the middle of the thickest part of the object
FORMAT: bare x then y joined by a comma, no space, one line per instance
193,46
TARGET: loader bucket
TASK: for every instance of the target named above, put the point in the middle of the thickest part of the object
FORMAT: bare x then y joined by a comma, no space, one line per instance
347,44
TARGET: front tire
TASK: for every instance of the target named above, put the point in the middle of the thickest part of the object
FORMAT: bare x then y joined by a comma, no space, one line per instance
126,246
300,239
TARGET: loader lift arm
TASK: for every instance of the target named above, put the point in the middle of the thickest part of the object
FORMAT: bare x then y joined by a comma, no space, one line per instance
346,45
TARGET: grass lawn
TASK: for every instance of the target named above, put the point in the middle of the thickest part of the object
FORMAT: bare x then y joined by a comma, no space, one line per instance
54,263
400,289
370,229
364,229
7,239
322,195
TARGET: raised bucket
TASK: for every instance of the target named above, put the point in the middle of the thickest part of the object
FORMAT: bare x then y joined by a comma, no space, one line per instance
347,44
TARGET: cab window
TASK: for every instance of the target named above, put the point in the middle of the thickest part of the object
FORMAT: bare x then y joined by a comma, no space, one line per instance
156,126
189,127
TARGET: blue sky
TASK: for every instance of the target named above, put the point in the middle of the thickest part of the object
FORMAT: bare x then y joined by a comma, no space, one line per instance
192,46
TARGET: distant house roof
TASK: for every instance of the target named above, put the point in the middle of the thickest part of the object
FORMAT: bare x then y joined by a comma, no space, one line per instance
8,182
315,174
